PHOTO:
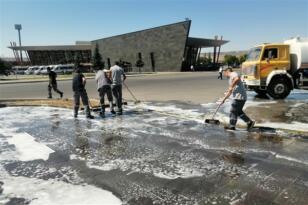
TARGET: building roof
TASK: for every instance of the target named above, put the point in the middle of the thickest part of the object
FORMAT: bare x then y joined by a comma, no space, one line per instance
203,42
52,48
186,22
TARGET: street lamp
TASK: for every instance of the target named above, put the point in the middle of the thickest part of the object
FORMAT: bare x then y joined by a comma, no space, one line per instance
18,27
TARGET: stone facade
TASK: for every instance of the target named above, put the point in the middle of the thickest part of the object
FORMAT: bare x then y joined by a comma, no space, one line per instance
161,48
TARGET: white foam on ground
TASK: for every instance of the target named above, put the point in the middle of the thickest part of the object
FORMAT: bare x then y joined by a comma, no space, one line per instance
53,192
251,150
173,110
278,156
223,114
27,148
38,191
250,103
133,165
297,105
295,126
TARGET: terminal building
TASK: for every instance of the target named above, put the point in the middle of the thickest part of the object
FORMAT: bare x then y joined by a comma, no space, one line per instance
163,48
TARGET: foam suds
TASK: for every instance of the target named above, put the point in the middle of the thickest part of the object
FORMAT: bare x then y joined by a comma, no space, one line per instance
21,146
173,110
223,115
53,192
278,156
296,126
27,148
250,103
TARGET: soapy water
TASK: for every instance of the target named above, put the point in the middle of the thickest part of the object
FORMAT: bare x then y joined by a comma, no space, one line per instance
154,153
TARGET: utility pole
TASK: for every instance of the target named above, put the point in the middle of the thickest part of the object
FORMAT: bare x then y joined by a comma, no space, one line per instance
18,27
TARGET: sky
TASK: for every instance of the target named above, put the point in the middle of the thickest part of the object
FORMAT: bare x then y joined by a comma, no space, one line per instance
245,23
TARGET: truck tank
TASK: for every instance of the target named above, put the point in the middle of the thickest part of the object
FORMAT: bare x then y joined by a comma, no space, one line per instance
298,53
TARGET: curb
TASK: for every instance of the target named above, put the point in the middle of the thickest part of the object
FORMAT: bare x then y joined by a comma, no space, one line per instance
46,80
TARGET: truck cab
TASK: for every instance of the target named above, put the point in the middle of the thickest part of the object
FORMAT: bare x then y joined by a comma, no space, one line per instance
267,70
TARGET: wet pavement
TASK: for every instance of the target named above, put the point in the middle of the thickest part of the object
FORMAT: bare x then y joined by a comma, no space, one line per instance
155,153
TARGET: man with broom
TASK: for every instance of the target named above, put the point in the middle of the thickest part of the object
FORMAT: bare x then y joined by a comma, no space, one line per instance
104,88
116,76
79,82
238,94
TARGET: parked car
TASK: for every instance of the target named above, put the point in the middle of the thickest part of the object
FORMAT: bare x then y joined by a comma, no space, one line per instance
19,70
31,70
44,71
63,69
39,70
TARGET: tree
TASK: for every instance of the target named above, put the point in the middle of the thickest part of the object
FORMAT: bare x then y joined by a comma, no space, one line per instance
97,59
77,59
209,59
139,64
4,67
204,61
231,60
242,58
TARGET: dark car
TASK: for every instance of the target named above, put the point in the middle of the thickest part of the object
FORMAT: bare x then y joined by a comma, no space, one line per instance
5,72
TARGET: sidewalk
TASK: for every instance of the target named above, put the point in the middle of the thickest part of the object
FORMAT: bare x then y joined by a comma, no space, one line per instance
62,78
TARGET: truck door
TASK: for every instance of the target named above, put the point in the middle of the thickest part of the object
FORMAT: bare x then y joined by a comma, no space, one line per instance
269,61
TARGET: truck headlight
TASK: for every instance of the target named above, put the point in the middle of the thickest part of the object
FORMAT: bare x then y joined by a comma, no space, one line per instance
250,70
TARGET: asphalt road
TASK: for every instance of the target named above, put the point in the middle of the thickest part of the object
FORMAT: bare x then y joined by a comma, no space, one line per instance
145,157
197,87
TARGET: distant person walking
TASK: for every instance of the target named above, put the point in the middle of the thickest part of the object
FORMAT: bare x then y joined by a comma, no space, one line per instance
79,82
116,76
53,83
238,93
192,68
220,73
104,88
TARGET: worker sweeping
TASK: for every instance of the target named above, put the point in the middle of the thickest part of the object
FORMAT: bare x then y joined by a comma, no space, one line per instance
79,82
238,94
116,76
104,88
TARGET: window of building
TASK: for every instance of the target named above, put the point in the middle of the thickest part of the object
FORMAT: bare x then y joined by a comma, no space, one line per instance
152,61
139,56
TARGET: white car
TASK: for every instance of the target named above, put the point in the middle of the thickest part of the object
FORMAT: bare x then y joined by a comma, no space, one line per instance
63,69
19,69
39,70
31,70
44,71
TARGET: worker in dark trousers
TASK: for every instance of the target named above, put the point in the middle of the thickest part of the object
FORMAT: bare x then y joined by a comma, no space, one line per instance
79,82
104,88
116,76
53,83
238,94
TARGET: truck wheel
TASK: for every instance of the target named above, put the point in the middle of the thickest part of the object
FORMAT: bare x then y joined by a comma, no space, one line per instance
261,92
278,88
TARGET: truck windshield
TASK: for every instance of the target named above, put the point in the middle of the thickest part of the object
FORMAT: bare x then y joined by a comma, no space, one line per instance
254,54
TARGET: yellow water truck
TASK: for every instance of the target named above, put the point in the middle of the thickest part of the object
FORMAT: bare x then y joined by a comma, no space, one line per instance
277,68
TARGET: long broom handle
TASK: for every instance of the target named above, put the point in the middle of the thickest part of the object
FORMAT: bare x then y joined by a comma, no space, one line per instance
216,110
130,91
